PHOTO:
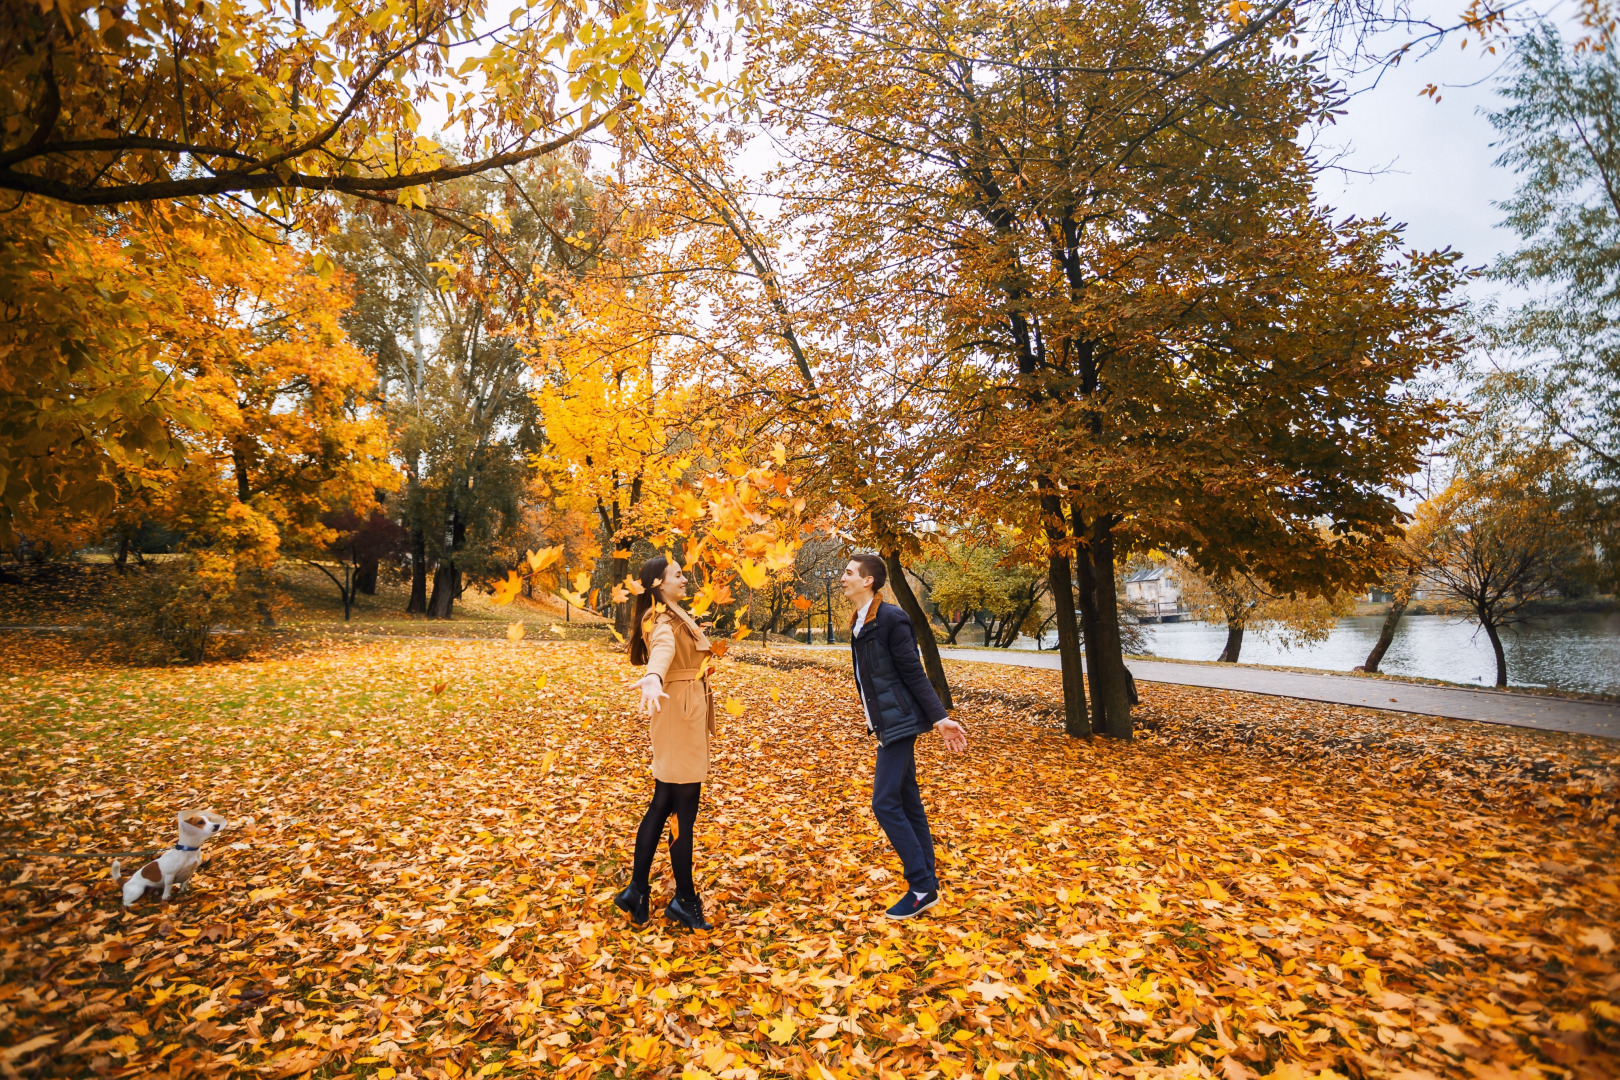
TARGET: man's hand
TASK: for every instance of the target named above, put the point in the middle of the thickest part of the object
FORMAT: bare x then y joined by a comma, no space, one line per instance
955,735
652,694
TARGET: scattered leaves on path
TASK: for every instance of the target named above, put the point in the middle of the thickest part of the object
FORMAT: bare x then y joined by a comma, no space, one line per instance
419,883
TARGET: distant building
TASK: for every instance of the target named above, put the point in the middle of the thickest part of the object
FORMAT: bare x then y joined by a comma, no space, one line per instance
1154,592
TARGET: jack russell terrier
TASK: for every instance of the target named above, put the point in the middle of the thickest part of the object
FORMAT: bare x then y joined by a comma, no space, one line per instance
175,866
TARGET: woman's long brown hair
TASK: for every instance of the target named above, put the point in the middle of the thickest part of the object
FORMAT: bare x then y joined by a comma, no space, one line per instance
651,577
874,567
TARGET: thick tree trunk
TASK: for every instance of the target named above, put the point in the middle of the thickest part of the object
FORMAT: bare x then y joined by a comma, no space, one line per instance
417,605
365,577
442,603
121,560
919,623
1075,720
1234,644
1496,647
1109,682
1386,633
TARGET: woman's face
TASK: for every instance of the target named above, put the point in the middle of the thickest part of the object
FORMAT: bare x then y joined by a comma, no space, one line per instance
854,582
673,589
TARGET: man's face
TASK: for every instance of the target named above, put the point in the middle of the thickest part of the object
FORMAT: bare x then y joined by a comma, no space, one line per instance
853,583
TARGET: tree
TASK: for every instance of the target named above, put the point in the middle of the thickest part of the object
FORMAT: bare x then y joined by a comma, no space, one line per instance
1401,577
445,318
106,105
1560,136
969,581
1242,603
356,548
90,401
1099,241
1504,538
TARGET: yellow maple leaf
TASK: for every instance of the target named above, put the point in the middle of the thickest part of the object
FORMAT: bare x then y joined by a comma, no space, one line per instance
582,581
742,632
776,695
782,1029
734,706
779,453
752,573
540,680
514,631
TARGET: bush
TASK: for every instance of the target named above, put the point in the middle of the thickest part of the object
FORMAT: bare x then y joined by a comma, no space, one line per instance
184,609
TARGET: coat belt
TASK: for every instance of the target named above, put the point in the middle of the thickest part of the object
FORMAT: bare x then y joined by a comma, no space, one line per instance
682,675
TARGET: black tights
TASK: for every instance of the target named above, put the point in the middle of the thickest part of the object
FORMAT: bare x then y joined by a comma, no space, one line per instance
682,801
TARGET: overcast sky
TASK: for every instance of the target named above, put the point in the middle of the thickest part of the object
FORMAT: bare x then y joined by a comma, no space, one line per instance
1440,180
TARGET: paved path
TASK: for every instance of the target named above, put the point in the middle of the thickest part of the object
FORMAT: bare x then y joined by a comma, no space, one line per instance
1519,710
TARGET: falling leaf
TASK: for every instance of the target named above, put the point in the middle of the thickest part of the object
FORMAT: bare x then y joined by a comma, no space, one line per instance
674,827
582,581
734,706
718,647
514,631
742,631
776,694
540,682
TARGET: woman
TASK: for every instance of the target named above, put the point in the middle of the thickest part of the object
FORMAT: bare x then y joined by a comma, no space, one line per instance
676,697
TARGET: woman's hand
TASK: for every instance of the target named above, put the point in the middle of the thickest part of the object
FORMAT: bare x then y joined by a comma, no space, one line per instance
652,693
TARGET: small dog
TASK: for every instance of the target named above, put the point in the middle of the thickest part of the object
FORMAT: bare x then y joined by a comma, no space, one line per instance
175,866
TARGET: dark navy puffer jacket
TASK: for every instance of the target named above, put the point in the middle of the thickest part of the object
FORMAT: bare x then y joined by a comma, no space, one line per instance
899,698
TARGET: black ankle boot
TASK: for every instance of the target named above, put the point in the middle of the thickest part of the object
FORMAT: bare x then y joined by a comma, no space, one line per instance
688,911
634,902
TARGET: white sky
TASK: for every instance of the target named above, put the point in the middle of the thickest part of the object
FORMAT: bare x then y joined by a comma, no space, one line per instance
1439,176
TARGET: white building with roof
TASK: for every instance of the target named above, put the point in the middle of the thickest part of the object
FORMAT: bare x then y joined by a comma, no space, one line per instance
1154,591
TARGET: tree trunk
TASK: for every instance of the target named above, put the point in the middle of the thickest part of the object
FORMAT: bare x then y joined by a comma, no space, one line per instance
418,601
621,612
1090,630
1496,647
1234,644
1075,721
442,603
1109,681
957,629
365,577
919,623
1386,634
347,589
121,560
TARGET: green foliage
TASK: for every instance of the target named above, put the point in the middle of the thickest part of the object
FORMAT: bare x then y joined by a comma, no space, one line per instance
1563,139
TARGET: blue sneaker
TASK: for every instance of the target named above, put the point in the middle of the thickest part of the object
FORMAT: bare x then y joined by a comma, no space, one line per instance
910,904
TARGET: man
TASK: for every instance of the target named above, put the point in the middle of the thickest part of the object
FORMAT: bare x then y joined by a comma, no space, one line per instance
900,704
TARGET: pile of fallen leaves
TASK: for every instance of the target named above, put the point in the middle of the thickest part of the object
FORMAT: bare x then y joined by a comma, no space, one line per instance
426,838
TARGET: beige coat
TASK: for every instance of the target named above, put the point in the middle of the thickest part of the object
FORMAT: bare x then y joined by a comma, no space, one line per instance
676,651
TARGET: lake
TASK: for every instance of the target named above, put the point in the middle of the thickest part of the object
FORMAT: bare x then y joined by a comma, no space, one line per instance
1561,652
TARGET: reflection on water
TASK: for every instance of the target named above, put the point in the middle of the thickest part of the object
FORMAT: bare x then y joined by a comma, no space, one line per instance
1565,652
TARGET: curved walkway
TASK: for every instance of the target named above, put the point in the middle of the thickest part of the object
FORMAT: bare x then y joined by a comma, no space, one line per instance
1488,706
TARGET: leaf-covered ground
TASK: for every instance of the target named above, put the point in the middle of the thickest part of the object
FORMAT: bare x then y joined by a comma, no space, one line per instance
426,837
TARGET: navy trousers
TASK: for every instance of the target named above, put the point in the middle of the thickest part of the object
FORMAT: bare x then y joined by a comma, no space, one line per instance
898,805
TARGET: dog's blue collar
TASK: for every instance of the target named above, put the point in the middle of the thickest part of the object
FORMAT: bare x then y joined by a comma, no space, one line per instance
182,847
